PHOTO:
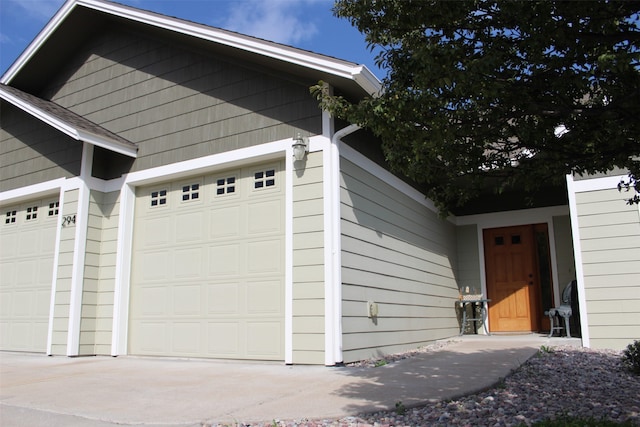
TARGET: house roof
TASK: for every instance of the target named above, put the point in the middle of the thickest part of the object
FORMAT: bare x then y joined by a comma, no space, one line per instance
66,121
77,19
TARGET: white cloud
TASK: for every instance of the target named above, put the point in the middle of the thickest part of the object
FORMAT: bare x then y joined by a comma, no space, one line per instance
282,21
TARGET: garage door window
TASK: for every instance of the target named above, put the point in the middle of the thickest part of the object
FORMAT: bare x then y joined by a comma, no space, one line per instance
190,192
32,213
53,208
264,179
226,186
158,198
10,217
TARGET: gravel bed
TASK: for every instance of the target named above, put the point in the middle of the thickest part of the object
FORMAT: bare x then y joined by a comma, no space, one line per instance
557,382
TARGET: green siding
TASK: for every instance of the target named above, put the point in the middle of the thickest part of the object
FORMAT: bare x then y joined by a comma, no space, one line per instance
308,261
400,255
564,250
610,245
32,152
179,104
468,273
99,274
63,284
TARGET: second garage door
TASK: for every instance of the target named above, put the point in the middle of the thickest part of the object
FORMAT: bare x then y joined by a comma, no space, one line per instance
208,267
27,242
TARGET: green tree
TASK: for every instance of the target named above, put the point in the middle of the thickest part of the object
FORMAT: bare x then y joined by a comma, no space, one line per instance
501,94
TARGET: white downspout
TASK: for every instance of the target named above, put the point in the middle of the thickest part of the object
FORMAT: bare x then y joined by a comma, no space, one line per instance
333,314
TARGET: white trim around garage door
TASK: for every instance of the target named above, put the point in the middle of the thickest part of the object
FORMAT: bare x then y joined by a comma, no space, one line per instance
202,165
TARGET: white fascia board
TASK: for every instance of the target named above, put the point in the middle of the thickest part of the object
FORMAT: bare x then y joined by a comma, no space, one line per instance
595,184
368,81
339,68
108,144
67,129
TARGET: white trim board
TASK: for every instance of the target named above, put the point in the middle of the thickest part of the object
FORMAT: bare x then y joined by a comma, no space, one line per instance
577,255
595,184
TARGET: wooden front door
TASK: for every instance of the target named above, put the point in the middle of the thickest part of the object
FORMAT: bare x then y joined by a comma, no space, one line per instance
510,261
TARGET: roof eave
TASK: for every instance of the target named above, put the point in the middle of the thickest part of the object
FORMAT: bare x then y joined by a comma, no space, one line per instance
344,69
68,129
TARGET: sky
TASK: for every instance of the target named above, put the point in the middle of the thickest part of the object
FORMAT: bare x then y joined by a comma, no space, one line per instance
305,24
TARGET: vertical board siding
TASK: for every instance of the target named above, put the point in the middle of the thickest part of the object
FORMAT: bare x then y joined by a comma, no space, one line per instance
32,152
610,245
63,284
399,254
178,104
99,274
308,261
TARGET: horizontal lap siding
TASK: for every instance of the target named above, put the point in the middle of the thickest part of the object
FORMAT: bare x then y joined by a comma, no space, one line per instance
62,300
400,255
99,275
32,152
610,244
308,261
178,104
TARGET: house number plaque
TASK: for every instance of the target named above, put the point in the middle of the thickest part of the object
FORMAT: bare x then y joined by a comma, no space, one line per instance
68,220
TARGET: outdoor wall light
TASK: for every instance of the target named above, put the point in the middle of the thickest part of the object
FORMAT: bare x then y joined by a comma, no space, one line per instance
300,147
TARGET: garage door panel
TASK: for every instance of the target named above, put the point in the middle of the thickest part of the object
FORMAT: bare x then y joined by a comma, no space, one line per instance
152,338
264,297
264,339
7,273
187,263
186,338
5,303
224,260
225,222
22,304
9,245
223,339
43,303
27,272
28,245
154,265
264,256
154,301
187,300
223,299
220,256
156,232
263,217
189,227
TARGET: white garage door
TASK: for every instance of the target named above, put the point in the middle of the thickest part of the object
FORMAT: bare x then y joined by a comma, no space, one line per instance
208,266
27,242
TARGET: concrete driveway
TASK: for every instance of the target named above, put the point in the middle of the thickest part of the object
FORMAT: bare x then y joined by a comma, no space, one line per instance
107,391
